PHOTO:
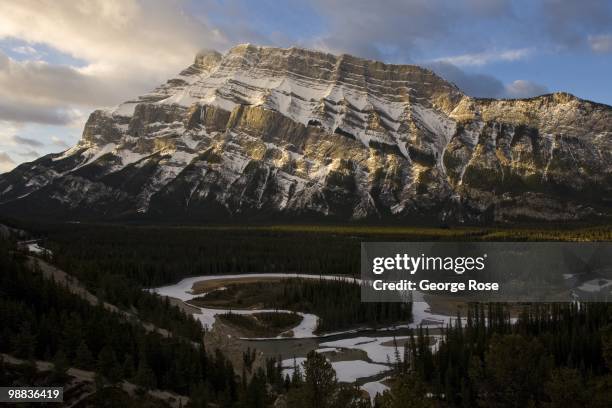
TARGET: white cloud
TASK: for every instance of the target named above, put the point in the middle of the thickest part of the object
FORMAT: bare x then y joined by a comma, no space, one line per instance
35,91
128,47
56,141
601,43
7,131
29,154
25,50
525,89
156,34
26,141
6,162
483,58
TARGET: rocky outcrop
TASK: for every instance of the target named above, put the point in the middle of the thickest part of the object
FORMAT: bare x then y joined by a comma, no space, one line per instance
293,134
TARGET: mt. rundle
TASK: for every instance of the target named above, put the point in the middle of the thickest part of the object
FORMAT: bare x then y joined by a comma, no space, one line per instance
269,133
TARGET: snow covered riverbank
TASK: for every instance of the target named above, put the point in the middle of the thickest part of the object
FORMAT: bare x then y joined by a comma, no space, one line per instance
380,350
183,291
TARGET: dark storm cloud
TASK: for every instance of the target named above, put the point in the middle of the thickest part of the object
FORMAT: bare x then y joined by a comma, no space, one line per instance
570,23
20,140
29,154
397,28
486,86
47,84
23,112
479,85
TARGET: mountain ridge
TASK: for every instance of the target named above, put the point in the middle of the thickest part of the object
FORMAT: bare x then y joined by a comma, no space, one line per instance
293,133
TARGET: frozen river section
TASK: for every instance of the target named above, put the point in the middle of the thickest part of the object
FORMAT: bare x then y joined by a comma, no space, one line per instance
183,291
379,349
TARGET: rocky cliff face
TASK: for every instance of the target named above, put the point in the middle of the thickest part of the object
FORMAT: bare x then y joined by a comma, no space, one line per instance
294,134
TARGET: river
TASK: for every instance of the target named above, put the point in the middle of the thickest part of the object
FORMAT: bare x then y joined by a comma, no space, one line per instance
361,355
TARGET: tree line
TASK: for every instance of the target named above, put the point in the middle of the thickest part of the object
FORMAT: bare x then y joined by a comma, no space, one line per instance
336,302
554,355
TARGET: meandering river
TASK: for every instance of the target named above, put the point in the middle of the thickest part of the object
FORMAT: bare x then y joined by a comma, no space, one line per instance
359,355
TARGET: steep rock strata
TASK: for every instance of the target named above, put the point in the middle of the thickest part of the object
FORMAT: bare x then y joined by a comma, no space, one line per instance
270,133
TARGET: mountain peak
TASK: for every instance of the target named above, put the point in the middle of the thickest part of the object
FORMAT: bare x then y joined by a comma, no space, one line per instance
290,132
204,54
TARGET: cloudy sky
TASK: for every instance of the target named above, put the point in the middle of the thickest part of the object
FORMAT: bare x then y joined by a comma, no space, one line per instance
60,59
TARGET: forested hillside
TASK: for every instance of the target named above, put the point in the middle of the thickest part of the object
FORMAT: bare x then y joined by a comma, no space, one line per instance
557,355
553,356
41,320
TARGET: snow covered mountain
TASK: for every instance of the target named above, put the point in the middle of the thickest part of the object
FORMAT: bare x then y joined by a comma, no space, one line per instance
293,134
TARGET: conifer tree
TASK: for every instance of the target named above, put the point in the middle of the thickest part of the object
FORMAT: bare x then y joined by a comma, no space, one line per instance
319,381
108,366
60,368
83,358
145,377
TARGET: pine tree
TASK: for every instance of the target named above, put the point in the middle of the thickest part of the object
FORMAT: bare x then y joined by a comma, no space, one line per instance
24,344
108,366
515,369
350,396
296,376
60,368
3,372
565,389
145,376
127,369
199,396
320,382
84,358
407,391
